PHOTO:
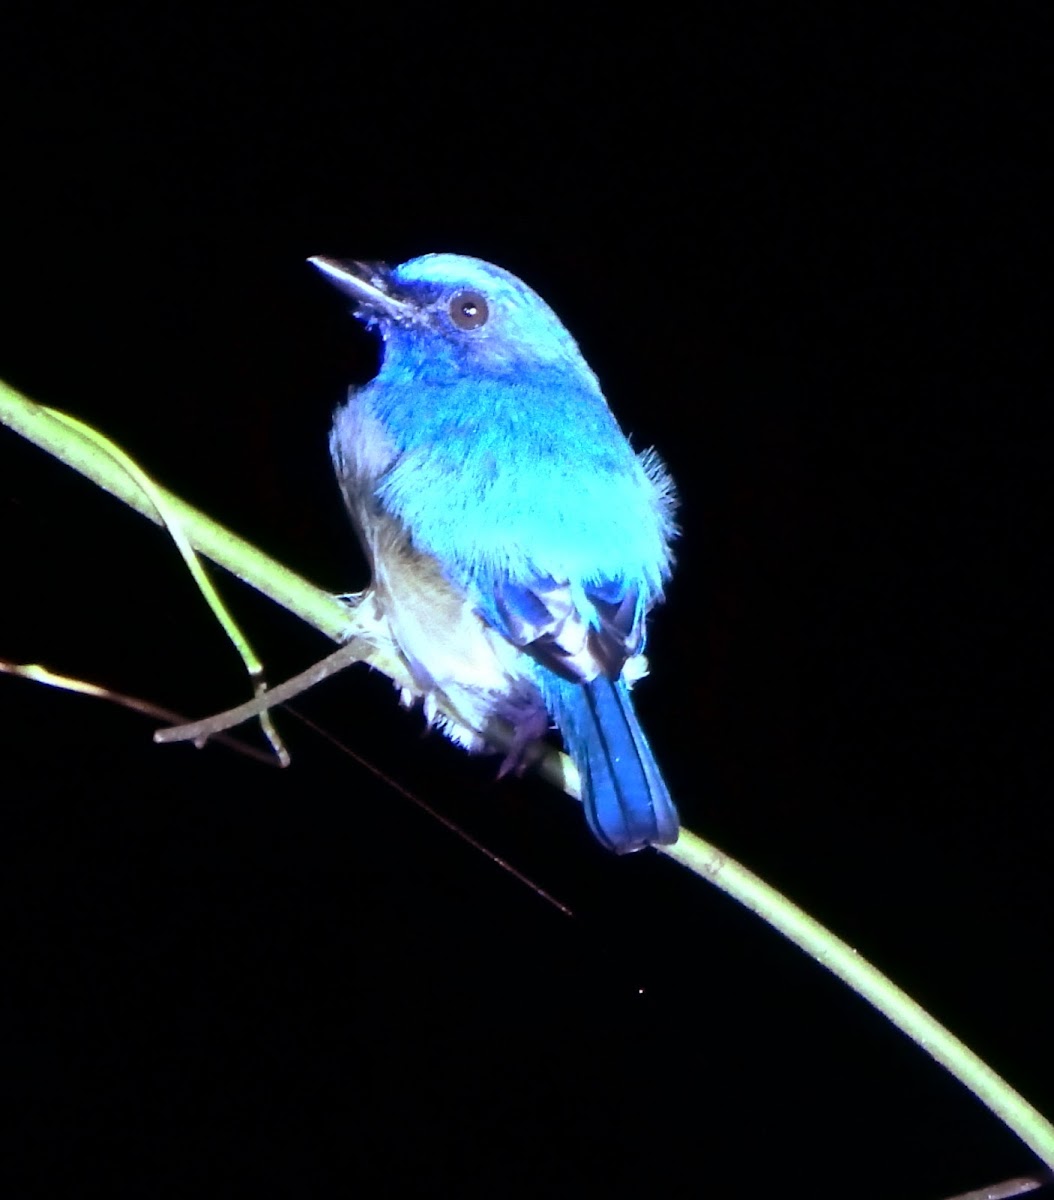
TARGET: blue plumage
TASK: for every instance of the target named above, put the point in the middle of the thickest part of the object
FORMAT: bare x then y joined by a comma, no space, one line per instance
517,541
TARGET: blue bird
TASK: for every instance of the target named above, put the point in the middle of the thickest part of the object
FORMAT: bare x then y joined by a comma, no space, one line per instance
516,541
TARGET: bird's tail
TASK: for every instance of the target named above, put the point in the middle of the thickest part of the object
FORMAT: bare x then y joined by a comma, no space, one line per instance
627,803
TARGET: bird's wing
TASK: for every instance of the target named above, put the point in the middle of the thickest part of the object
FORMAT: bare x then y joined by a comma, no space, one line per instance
580,633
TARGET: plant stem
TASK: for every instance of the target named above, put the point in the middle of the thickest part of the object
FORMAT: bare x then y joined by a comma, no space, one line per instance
331,616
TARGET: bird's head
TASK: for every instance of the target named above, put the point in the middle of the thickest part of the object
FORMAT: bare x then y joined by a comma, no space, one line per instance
443,313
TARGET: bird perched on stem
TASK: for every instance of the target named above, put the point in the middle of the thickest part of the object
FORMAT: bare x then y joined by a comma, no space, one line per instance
517,542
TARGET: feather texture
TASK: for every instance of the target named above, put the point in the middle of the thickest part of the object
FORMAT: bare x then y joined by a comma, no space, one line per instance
517,541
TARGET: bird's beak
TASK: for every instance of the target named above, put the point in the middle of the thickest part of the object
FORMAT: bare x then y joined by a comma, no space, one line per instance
368,284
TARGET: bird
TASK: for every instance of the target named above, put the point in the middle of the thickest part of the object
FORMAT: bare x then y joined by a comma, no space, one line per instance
517,542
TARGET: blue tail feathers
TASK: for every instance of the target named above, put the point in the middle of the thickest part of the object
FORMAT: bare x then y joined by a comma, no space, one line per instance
627,803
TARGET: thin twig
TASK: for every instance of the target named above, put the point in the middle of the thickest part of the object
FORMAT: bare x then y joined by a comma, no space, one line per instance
38,674
1007,1189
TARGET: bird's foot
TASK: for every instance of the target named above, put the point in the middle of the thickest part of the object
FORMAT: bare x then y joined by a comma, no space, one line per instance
530,723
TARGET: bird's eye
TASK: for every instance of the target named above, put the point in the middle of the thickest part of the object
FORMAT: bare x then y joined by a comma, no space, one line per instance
468,310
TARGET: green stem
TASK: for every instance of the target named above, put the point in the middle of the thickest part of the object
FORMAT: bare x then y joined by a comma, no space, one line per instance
330,616
867,981
50,432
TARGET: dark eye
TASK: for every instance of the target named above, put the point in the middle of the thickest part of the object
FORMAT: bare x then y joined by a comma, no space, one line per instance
468,310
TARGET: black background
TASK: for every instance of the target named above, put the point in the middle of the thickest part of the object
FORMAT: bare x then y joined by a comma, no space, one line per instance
807,261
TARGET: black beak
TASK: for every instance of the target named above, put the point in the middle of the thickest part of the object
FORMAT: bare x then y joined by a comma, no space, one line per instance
367,284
